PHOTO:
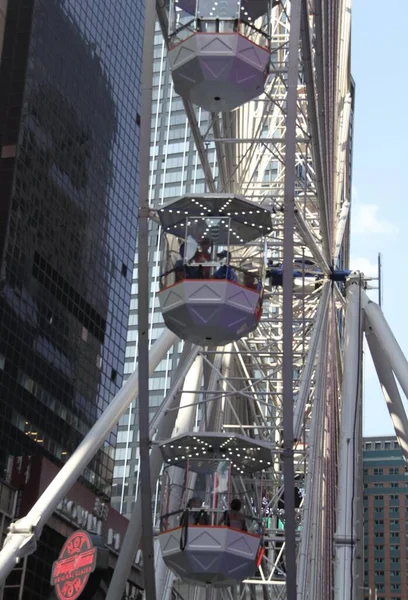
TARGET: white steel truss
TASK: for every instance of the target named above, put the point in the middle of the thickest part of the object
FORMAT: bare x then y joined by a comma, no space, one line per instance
252,148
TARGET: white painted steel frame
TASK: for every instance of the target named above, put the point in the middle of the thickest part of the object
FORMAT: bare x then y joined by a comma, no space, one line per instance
346,509
245,144
184,424
289,208
388,359
162,426
307,565
143,318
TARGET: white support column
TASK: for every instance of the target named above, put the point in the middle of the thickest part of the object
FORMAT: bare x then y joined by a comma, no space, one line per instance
341,152
305,232
184,424
307,567
211,385
390,391
345,536
341,227
304,384
384,335
162,424
144,299
22,539
287,297
221,408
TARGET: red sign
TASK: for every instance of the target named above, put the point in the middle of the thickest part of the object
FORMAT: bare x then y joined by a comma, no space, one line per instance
77,560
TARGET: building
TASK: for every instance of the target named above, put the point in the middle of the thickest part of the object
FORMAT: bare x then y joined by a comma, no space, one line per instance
175,169
385,519
69,136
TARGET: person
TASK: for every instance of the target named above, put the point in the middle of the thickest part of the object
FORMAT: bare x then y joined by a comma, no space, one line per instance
192,515
179,266
202,256
233,517
203,253
225,271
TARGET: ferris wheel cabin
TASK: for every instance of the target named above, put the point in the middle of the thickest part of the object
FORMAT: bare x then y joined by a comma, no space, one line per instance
211,288
203,538
219,52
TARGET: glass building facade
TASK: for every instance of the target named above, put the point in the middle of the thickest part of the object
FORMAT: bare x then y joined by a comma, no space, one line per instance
70,93
69,134
385,519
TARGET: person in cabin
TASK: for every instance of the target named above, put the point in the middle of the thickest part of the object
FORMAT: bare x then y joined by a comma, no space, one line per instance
202,256
203,253
179,268
234,517
225,271
194,514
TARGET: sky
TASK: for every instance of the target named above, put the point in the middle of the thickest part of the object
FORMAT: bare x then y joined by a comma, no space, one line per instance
379,220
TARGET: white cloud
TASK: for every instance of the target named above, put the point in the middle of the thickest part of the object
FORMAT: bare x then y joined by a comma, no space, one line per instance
365,219
360,263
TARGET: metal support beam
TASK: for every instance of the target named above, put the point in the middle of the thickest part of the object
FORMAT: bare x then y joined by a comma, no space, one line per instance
24,533
383,366
304,384
256,140
288,255
143,302
317,142
341,154
184,424
340,230
162,424
382,330
345,536
310,241
188,107
229,123
221,154
309,536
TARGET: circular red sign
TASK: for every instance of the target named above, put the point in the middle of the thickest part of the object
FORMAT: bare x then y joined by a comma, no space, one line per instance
77,560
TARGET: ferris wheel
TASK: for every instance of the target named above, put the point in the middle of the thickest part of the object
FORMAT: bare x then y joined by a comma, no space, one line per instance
259,495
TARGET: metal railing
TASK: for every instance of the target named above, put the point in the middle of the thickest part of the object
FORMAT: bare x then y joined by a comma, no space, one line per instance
210,270
209,517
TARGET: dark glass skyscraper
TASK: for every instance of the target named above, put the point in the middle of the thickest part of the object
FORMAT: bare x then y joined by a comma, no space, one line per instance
69,103
69,137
